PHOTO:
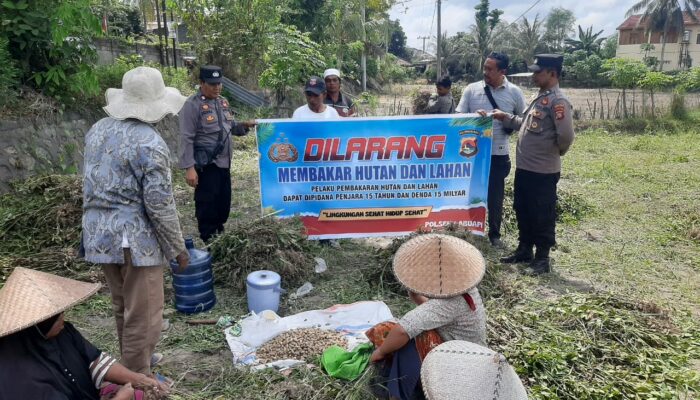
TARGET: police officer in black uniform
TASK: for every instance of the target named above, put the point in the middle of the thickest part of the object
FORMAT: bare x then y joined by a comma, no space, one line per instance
206,123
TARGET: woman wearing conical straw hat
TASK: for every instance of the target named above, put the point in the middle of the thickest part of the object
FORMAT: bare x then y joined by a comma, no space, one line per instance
440,273
463,370
130,224
44,357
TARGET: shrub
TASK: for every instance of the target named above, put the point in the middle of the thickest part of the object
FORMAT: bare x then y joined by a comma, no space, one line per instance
678,109
9,74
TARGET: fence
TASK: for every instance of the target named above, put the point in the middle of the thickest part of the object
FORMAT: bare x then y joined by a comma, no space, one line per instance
109,49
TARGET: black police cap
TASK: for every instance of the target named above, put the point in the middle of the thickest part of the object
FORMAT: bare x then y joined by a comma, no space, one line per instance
551,61
210,74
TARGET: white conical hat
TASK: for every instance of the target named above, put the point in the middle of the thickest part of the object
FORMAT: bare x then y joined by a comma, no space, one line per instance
463,370
30,296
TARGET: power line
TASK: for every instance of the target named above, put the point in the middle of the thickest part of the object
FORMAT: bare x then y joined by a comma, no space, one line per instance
526,11
521,15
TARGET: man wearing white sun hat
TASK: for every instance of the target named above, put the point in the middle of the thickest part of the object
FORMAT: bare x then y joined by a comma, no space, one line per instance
130,224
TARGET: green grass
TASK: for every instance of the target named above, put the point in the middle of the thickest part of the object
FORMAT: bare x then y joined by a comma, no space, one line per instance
617,318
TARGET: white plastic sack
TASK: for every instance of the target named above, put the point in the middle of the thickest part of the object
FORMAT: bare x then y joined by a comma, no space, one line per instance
352,320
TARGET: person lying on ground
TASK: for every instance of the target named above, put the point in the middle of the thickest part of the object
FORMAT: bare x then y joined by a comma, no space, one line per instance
44,357
440,273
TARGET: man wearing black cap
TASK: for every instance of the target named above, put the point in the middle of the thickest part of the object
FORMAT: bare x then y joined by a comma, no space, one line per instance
206,120
546,132
443,103
315,93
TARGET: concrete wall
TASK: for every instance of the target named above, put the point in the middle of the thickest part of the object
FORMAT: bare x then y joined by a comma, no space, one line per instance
55,145
108,50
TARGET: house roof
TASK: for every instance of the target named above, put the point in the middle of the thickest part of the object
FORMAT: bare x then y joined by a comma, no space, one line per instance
632,22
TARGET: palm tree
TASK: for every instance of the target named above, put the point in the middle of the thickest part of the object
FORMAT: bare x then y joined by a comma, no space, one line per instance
665,15
528,39
587,41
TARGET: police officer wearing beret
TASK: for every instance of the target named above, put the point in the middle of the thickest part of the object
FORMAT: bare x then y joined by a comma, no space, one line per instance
206,123
546,132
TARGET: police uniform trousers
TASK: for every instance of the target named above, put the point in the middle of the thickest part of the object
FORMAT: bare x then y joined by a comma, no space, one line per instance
534,201
212,200
500,168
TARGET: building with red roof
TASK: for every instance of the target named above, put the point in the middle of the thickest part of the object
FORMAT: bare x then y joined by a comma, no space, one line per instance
681,47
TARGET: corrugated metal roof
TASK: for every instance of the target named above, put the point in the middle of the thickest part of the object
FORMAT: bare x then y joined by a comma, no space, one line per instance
242,95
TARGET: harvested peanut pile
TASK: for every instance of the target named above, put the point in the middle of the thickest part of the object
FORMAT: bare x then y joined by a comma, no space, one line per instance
299,344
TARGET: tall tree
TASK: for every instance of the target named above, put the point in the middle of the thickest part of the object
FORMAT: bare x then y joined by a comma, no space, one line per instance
397,41
528,39
587,41
486,21
558,25
609,47
665,16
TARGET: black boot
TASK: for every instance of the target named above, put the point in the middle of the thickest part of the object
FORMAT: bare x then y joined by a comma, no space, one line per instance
522,254
540,265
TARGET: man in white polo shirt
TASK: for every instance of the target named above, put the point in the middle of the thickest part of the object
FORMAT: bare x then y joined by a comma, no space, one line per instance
495,92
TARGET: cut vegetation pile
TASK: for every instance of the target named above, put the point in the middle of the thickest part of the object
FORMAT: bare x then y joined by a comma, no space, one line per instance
595,346
40,224
582,346
268,243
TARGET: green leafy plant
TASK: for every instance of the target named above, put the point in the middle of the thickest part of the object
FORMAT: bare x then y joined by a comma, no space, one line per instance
624,74
52,44
9,73
654,81
291,58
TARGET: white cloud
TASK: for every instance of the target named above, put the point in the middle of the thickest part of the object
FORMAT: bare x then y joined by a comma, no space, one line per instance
458,15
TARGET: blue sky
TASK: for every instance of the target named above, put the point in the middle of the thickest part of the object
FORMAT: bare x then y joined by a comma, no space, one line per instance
417,16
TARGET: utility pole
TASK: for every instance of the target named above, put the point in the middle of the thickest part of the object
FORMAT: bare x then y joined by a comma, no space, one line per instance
174,35
364,51
165,29
424,38
439,42
160,38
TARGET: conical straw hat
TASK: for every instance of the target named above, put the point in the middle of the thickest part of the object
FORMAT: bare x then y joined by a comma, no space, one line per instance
31,296
438,266
463,370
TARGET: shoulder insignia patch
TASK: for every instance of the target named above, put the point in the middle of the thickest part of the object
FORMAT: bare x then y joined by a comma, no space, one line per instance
224,103
559,111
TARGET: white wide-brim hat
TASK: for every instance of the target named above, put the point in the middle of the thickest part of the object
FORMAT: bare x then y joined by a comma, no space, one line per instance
143,96
463,370
438,266
30,296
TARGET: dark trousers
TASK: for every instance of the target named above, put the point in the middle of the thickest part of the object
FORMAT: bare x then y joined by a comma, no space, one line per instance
534,201
500,168
212,200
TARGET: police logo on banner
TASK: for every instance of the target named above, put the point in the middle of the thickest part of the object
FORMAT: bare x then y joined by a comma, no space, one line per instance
469,147
283,151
